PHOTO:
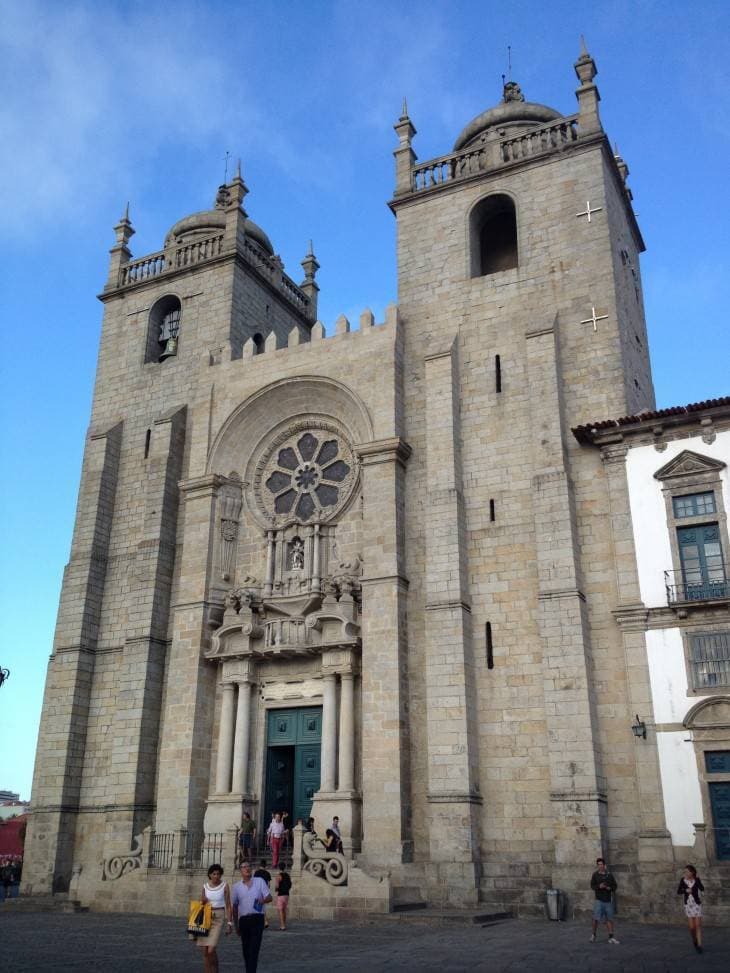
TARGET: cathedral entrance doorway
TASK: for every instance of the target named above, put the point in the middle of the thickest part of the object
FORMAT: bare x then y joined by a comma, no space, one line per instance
293,759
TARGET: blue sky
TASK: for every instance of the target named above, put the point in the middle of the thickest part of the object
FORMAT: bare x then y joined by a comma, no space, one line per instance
109,102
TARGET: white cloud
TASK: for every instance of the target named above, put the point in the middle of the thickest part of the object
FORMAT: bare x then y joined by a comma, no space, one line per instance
92,93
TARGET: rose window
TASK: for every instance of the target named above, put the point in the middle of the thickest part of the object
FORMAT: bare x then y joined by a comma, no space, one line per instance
308,477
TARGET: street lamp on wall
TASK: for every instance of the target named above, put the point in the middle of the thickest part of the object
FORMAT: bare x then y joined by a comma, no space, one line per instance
639,729
4,674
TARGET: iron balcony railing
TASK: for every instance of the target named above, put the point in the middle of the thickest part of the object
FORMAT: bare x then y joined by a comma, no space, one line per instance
202,850
691,586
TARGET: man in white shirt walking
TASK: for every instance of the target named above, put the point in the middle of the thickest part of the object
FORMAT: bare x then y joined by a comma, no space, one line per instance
276,834
248,898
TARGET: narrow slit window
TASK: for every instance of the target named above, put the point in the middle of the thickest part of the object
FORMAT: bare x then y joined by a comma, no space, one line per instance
491,510
147,438
497,373
490,646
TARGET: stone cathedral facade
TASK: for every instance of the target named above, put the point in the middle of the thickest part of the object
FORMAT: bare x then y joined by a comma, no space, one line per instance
371,573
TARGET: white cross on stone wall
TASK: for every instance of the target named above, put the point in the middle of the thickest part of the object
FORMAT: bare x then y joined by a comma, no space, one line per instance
594,319
587,211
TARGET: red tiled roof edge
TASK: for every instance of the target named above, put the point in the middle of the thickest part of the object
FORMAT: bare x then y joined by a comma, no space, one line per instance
585,433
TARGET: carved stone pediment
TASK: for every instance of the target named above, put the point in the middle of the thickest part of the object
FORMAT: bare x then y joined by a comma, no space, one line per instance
710,714
688,463
288,626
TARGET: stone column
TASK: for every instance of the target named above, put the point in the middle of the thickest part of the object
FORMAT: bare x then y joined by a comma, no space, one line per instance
242,736
451,713
384,742
329,733
577,784
316,574
184,761
347,732
225,742
269,582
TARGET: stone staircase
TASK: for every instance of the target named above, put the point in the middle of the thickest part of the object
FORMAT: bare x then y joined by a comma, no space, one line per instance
60,902
516,889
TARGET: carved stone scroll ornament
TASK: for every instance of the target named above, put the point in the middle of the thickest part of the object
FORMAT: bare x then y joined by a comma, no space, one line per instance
118,865
230,511
329,865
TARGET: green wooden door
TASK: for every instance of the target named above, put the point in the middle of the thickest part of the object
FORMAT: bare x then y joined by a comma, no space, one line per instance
293,762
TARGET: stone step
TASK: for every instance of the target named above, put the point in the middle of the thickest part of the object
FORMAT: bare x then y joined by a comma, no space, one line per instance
405,897
469,917
43,903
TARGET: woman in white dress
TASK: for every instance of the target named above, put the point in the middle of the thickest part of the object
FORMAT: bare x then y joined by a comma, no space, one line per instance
215,891
690,887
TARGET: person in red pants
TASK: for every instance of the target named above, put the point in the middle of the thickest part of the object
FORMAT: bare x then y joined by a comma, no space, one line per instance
276,836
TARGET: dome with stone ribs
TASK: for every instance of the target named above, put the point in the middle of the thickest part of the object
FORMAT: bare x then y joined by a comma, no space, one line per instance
511,116
209,222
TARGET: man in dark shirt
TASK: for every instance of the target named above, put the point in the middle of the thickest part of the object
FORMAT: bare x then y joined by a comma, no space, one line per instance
261,872
246,837
604,885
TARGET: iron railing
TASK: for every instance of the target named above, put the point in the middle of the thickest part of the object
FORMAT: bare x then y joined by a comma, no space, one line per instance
202,850
683,588
162,851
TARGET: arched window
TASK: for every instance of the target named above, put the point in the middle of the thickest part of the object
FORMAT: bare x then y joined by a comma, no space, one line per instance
163,329
493,236
258,340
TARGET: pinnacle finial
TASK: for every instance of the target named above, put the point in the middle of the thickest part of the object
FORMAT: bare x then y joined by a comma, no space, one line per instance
124,229
310,252
404,112
238,169
583,48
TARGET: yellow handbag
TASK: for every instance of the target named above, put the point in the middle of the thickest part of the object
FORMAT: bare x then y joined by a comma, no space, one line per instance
200,918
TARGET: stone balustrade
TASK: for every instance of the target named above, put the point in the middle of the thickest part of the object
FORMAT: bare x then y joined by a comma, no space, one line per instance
199,251
493,154
282,632
537,141
140,270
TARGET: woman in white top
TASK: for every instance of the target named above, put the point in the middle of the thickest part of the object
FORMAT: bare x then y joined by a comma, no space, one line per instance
215,891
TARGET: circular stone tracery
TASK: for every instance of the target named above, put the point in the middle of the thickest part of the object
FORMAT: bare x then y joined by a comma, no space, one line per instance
307,476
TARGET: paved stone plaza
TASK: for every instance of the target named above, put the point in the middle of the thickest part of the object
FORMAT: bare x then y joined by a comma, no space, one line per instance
121,943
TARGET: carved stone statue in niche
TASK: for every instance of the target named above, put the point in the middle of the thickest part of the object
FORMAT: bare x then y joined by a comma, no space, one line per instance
295,555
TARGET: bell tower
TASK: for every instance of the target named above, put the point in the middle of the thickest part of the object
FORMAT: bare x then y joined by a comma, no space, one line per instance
520,298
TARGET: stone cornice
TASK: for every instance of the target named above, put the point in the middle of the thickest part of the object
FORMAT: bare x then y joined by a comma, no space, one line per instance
201,486
392,450
435,606
639,618
587,795
455,797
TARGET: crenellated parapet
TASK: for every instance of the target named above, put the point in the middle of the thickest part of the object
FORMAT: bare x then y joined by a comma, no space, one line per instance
319,332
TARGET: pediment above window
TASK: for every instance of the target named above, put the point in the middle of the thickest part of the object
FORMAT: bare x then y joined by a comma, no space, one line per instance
688,463
710,714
